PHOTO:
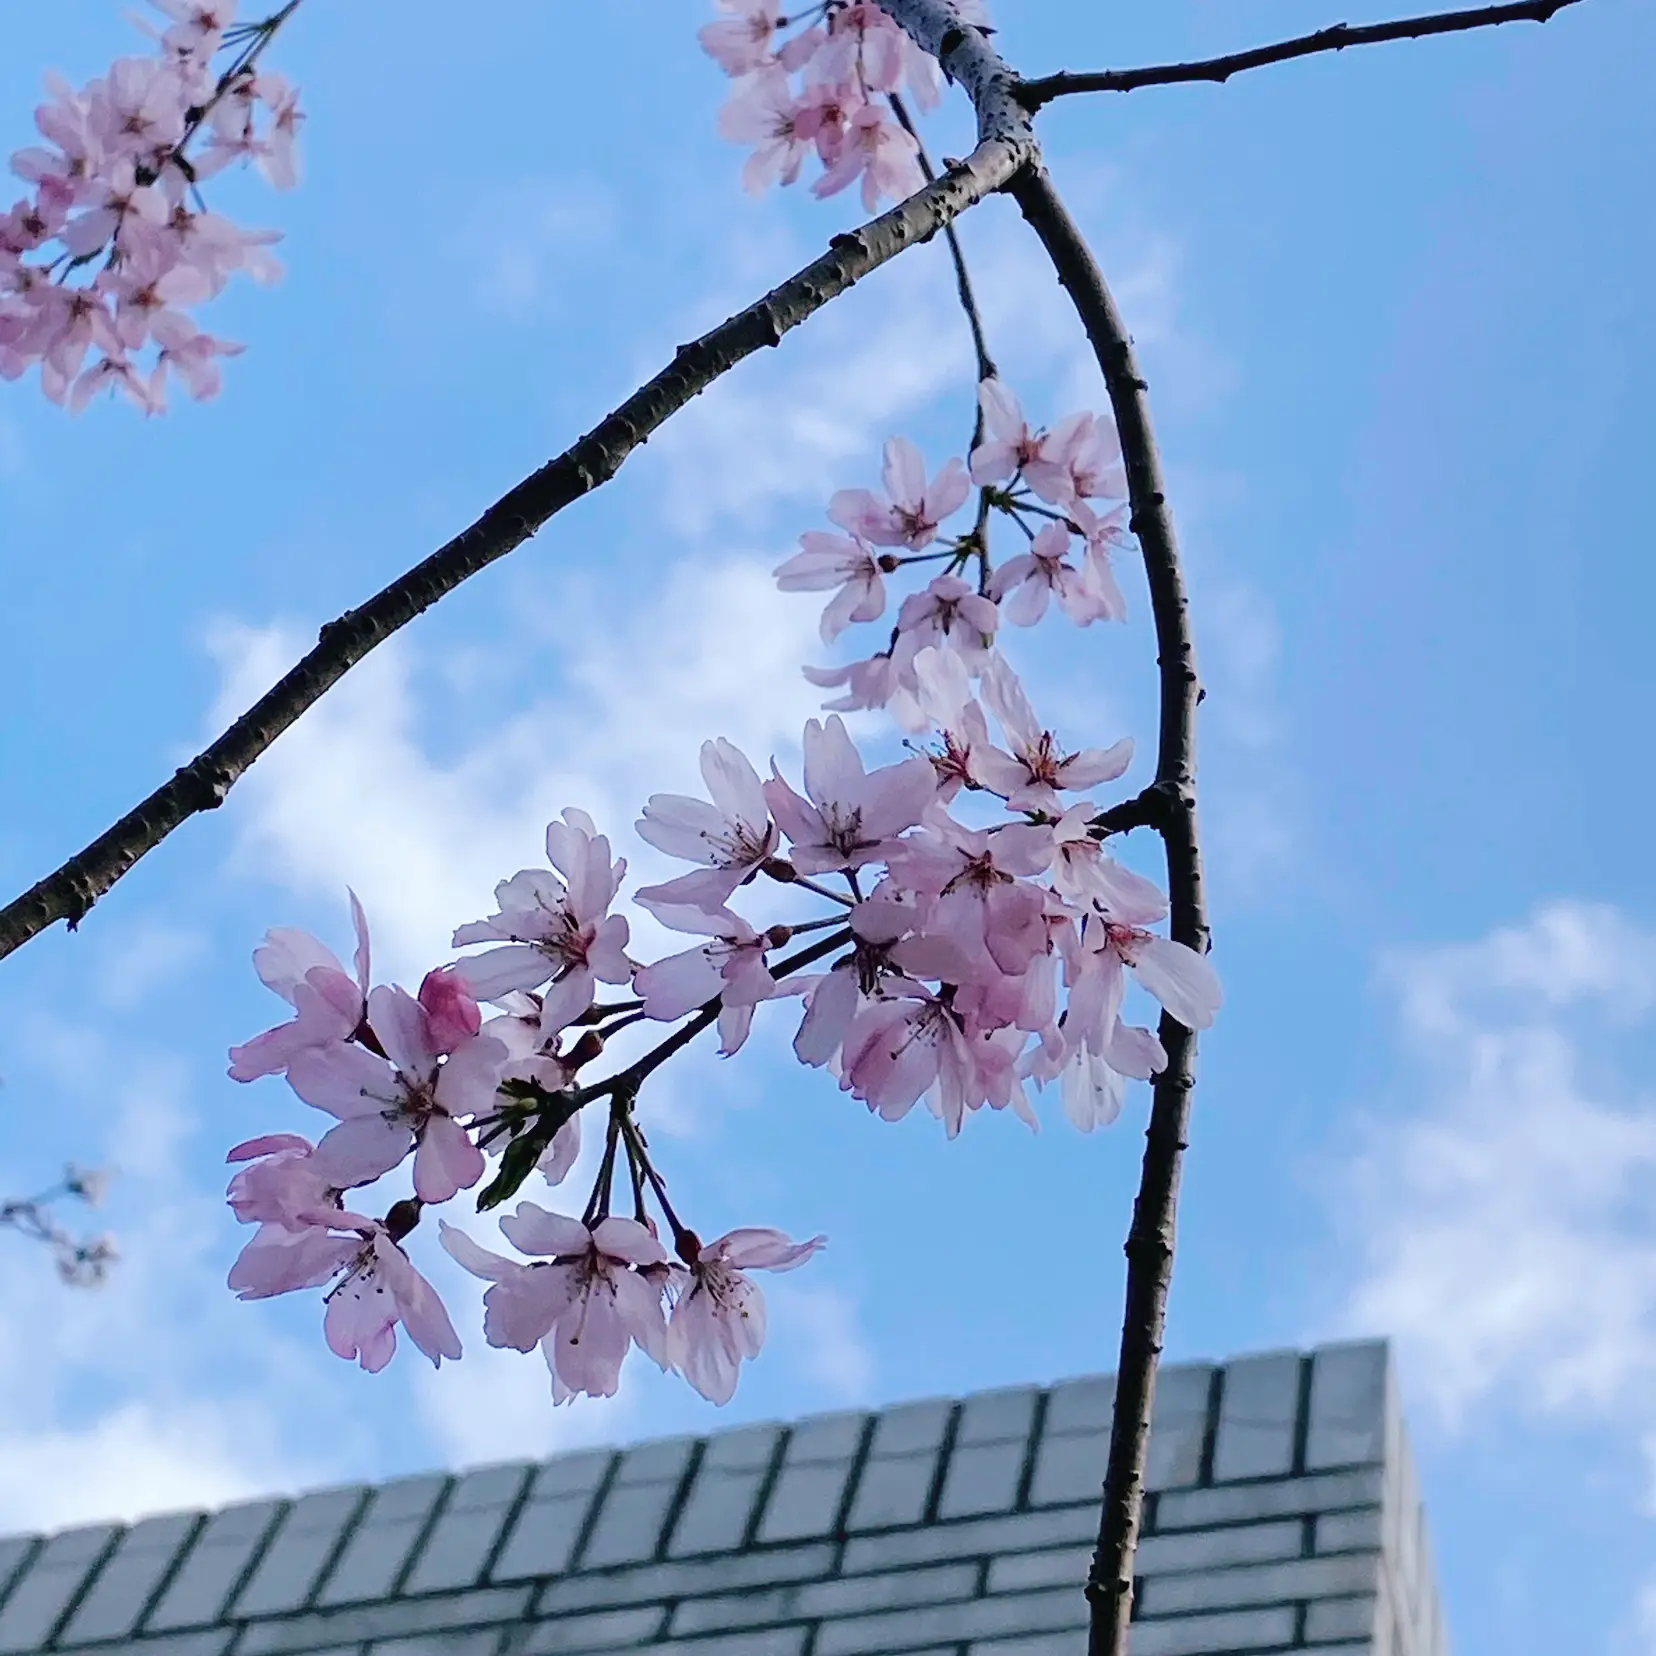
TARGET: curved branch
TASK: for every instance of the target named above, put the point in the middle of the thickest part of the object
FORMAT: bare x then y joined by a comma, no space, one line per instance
1150,1239
1035,93
202,784
1170,803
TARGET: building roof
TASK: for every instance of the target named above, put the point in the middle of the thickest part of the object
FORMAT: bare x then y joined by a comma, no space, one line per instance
1283,1516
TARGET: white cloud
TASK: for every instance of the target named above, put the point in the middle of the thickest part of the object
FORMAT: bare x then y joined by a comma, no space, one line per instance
533,232
353,794
131,1461
158,1390
1508,1219
820,1331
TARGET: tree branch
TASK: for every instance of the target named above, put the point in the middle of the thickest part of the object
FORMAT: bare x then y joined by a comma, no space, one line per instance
1150,1239
202,784
1036,93
1170,803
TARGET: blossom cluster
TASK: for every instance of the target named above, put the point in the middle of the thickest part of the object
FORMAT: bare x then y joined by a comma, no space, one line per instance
81,1261
101,263
950,924
827,90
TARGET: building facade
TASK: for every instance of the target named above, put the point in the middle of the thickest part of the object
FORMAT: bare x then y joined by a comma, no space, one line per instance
1283,1516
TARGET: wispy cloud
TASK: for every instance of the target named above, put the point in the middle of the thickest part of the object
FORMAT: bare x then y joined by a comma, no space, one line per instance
1507,1222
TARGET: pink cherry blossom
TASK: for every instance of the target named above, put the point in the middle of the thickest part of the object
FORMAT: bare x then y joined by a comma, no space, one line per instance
1012,448
850,816
414,1095
1094,1083
452,1015
556,925
741,44
944,694
116,192
281,1183
586,1308
381,1288
863,50
1030,578
719,1319
904,1048
1090,447
732,836
280,1258
832,1000
879,152
328,1001
765,112
1182,980
1031,776
869,683
731,965
1085,873
983,903
911,510
949,611
825,561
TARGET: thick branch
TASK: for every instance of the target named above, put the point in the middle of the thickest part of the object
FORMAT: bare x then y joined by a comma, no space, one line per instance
203,783
1033,94
1150,1239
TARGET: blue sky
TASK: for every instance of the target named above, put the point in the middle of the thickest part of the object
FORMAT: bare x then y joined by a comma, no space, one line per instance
1392,309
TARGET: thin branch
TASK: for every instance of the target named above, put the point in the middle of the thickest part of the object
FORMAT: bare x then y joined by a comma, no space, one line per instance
1036,93
1150,1239
633,1076
203,784
963,279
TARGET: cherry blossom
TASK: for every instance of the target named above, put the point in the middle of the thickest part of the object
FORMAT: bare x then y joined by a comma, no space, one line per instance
879,152
911,510
328,1002
1085,873
1032,775
556,925
732,836
851,815
944,694
950,960
719,1319
281,1182
947,612
1012,448
982,900
730,965
1182,980
742,43
1030,579
430,1077
117,193
586,1307
784,130
825,561
381,1288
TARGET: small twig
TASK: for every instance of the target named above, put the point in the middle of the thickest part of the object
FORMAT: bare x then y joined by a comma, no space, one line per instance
963,279
633,1076
1033,94
203,784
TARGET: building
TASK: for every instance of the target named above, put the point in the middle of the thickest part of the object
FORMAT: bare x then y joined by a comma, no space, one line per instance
1283,1517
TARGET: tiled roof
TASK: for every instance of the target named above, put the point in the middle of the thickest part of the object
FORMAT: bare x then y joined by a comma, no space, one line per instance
1283,1517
